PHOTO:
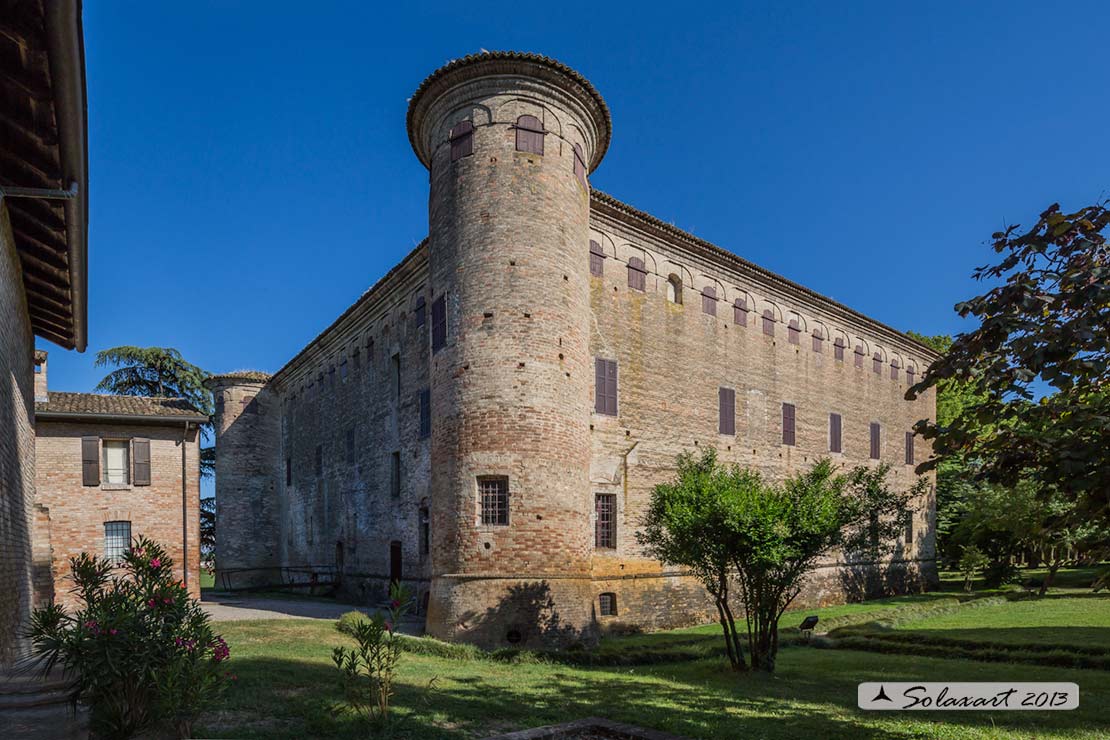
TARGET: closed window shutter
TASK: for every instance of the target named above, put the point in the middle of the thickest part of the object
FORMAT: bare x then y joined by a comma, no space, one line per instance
726,410
909,448
788,424
90,461
141,448
611,388
874,440
599,385
793,332
768,323
834,433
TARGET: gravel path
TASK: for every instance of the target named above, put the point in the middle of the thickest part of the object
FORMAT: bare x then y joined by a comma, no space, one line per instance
230,607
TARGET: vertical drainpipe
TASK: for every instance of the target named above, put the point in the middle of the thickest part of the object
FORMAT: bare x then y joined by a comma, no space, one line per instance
184,511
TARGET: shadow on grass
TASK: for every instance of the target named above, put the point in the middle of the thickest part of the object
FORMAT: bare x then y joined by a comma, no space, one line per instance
813,696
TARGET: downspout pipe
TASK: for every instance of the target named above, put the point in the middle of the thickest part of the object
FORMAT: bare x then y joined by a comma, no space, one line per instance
184,510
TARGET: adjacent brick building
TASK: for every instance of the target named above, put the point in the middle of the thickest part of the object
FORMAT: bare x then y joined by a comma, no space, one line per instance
43,289
108,469
486,422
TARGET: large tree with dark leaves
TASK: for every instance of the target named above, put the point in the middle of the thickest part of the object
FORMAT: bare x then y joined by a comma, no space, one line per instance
159,371
1038,363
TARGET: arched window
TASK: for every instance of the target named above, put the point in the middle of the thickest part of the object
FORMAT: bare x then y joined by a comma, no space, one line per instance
769,322
838,349
637,274
859,355
580,165
674,289
894,365
529,135
462,140
911,371
877,363
818,341
709,300
740,311
793,332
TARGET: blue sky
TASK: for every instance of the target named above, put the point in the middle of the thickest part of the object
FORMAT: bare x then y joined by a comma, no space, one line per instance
250,173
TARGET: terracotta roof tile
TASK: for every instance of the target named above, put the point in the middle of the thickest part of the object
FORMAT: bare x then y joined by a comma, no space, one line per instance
93,404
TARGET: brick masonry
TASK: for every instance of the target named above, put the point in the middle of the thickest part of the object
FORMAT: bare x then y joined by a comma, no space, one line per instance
70,516
17,448
512,391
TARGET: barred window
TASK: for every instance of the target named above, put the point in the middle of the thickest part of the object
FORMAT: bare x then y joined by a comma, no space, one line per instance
117,538
494,494
529,135
607,604
462,140
605,527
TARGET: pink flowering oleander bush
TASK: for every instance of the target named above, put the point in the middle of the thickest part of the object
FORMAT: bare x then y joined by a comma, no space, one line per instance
141,653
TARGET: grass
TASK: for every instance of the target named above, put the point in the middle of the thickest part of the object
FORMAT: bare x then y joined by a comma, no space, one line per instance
287,685
207,578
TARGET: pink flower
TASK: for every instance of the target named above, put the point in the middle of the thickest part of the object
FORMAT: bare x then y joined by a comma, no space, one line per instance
139,551
113,631
394,604
389,626
151,603
155,563
167,600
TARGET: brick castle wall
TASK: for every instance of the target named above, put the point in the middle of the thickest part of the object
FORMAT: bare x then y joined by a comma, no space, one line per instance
512,395
17,448
71,516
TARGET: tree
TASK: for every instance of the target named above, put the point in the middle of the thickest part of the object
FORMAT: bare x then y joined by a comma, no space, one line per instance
687,525
208,531
160,371
1044,326
726,522
956,485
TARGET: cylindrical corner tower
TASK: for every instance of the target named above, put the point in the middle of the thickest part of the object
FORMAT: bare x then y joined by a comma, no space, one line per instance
248,426
509,140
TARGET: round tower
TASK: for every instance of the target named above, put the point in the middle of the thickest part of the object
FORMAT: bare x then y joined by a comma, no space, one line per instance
509,140
248,443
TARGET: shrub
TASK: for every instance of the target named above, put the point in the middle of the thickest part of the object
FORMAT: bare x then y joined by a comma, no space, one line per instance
367,671
140,651
348,621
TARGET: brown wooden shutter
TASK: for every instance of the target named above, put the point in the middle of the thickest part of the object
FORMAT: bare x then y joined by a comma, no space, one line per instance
817,341
793,332
90,461
709,301
788,424
740,312
726,411
141,450
462,140
875,440
597,259
769,323
834,433
909,448
611,387
838,349
637,274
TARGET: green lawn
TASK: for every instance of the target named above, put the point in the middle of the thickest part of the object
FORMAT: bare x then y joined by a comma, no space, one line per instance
287,686
1068,620
207,578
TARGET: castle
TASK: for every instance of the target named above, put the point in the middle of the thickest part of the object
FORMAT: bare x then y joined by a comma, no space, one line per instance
486,423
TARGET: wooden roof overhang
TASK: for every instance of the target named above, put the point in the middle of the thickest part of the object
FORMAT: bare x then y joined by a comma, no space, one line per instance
43,148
